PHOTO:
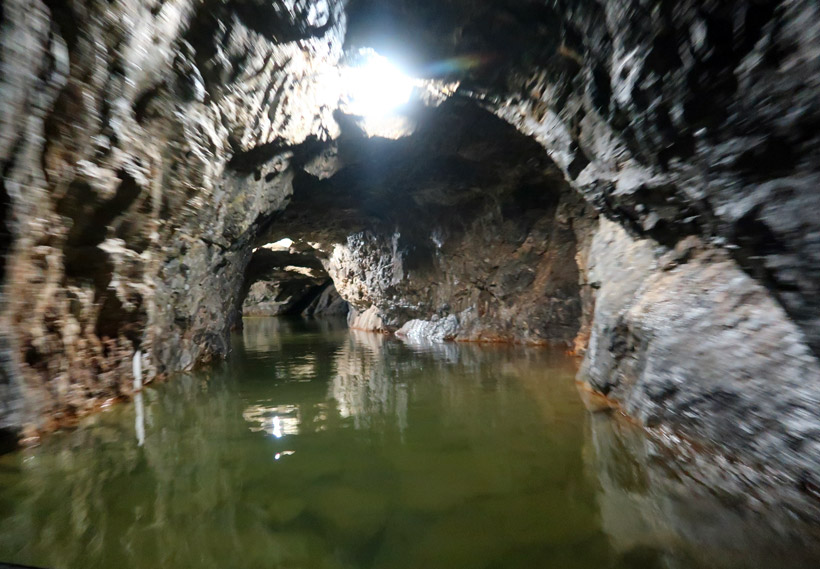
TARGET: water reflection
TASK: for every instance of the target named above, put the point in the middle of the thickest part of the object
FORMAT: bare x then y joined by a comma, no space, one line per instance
276,420
315,447
363,385
673,504
139,420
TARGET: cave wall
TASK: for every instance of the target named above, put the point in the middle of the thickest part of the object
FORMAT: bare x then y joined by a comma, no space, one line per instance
697,118
689,125
127,208
459,229
685,338
281,280
691,128
673,119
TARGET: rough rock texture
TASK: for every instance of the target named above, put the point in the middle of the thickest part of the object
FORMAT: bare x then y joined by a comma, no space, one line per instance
125,128
148,147
279,281
688,339
688,118
327,304
693,126
475,231
693,119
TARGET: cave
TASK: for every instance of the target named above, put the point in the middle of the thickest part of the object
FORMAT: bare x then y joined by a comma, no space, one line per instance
490,284
456,216
281,280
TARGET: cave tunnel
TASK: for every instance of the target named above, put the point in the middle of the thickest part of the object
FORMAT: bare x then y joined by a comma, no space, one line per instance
281,280
457,214
410,283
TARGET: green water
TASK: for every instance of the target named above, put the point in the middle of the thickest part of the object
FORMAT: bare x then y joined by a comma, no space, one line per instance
319,447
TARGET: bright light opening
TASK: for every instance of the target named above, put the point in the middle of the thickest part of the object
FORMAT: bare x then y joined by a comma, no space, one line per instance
281,245
375,87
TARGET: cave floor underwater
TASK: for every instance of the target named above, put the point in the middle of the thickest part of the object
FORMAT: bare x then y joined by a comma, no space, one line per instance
319,446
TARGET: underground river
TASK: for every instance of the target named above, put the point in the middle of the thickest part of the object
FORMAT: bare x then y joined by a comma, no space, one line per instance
316,446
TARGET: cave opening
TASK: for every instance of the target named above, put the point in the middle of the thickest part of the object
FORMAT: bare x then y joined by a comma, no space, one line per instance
453,225
285,278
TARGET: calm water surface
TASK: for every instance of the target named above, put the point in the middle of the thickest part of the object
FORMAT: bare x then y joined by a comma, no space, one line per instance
319,447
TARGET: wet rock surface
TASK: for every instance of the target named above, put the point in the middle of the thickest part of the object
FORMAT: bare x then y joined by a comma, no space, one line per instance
279,281
703,347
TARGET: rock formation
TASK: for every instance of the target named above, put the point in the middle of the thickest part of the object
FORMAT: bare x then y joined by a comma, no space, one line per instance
635,180
444,225
124,128
279,281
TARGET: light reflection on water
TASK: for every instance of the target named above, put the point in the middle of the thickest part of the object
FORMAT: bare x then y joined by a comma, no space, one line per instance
321,447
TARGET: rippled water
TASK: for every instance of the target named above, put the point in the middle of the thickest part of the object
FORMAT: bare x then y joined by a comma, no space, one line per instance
320,447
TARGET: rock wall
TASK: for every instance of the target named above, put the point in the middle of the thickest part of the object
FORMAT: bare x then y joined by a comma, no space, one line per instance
687,339
693,119
127,196
692,126
687,126
674,119
462,223
281,281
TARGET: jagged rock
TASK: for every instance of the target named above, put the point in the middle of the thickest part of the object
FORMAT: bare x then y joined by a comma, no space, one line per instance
676,121
435,330
443,222
278,282
328,303
704,348
120,122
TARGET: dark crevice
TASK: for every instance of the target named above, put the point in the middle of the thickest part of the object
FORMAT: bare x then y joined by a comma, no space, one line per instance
755,241
9,442
84,261
773,157
312,294
579,162
6,236
249,161
90,216
64,18
116,320
141,105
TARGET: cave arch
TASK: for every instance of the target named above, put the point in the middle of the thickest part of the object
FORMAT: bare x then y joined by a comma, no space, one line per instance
462,220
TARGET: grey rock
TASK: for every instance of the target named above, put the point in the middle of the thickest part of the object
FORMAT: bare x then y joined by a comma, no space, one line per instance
123,123
704,348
